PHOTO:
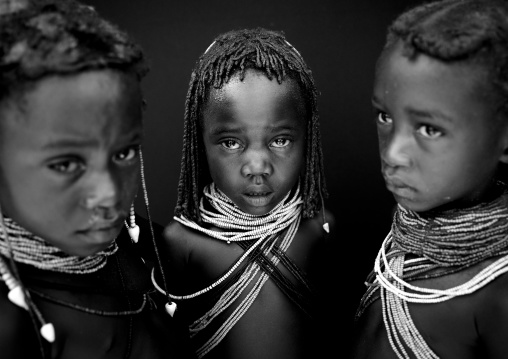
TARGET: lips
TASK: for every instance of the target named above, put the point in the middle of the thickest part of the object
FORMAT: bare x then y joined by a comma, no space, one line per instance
257,194
398,187
101,231
258,198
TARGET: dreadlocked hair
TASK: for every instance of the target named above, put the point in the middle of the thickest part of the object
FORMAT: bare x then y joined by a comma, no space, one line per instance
469,31
231,54
50,37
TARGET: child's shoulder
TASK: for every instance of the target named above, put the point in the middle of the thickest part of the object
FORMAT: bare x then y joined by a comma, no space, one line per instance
183,242
177,235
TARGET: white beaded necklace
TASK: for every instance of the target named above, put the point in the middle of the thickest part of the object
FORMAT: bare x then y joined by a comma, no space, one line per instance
462,227
265,229
30,249
24,247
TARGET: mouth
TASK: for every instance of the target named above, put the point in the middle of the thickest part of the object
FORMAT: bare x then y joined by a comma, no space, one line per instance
258,198
398,187
102,231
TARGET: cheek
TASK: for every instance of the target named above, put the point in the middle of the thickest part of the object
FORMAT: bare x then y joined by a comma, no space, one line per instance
129,182
382,139
220,169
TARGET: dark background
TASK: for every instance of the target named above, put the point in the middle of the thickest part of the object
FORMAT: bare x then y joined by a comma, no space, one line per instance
340,41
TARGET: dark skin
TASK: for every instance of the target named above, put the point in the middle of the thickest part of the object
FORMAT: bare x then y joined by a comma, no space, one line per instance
254,137
196,261
70,149
466,327
80,335
441,141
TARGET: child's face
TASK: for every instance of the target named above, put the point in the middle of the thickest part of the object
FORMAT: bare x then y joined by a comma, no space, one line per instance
69,161
254,136
439,138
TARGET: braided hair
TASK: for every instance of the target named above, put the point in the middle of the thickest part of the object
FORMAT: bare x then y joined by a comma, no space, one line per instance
231,54
473,32
50,37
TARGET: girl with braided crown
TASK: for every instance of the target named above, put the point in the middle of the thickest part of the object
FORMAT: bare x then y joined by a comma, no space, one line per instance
439,287
74,286
248,241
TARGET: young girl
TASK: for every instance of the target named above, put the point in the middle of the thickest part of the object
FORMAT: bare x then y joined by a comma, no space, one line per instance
74,286
439,288
245,250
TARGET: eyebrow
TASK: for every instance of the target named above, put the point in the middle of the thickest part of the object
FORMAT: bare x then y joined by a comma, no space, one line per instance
429,114
67,143
218,130
71,143
432,113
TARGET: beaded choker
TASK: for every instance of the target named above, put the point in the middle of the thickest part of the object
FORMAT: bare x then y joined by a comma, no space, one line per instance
450,240
22,246
29,249
454,237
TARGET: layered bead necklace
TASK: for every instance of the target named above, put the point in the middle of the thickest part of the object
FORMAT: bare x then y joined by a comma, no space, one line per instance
22,246
453,240
265,230
30,249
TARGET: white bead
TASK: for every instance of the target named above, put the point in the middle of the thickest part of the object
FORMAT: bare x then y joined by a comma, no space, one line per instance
170,308
48,332
134,233
17,297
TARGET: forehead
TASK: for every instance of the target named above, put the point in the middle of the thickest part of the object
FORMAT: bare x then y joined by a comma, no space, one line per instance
256,96
422,81
88,104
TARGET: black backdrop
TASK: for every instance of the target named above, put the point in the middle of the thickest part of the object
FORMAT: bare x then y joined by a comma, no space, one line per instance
340,40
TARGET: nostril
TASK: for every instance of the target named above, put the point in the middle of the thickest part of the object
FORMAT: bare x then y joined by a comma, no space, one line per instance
106,213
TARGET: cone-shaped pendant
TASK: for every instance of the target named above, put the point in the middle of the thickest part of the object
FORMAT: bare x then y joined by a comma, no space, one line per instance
17,296
48,332
134,233
170,308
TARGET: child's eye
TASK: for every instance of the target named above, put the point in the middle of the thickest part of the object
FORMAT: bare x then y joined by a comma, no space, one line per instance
69,166
383,118
429,131
230,144
127,154
281,142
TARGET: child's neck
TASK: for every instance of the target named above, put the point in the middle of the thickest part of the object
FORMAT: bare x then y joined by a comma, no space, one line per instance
495,190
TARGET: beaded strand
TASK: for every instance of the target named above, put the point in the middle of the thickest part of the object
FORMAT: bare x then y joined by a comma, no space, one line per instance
30,249
453,240
265,229
240,310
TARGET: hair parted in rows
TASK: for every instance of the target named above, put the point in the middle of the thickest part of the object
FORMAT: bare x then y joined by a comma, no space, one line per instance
232,53
52,37
469,31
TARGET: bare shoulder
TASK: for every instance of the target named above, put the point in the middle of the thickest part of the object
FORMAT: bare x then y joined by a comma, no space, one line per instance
175,239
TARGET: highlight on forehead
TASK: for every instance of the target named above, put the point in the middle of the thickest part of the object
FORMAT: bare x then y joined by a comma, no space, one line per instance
292,87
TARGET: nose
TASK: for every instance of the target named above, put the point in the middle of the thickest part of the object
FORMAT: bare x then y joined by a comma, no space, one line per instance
102,193
257,163
395,150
